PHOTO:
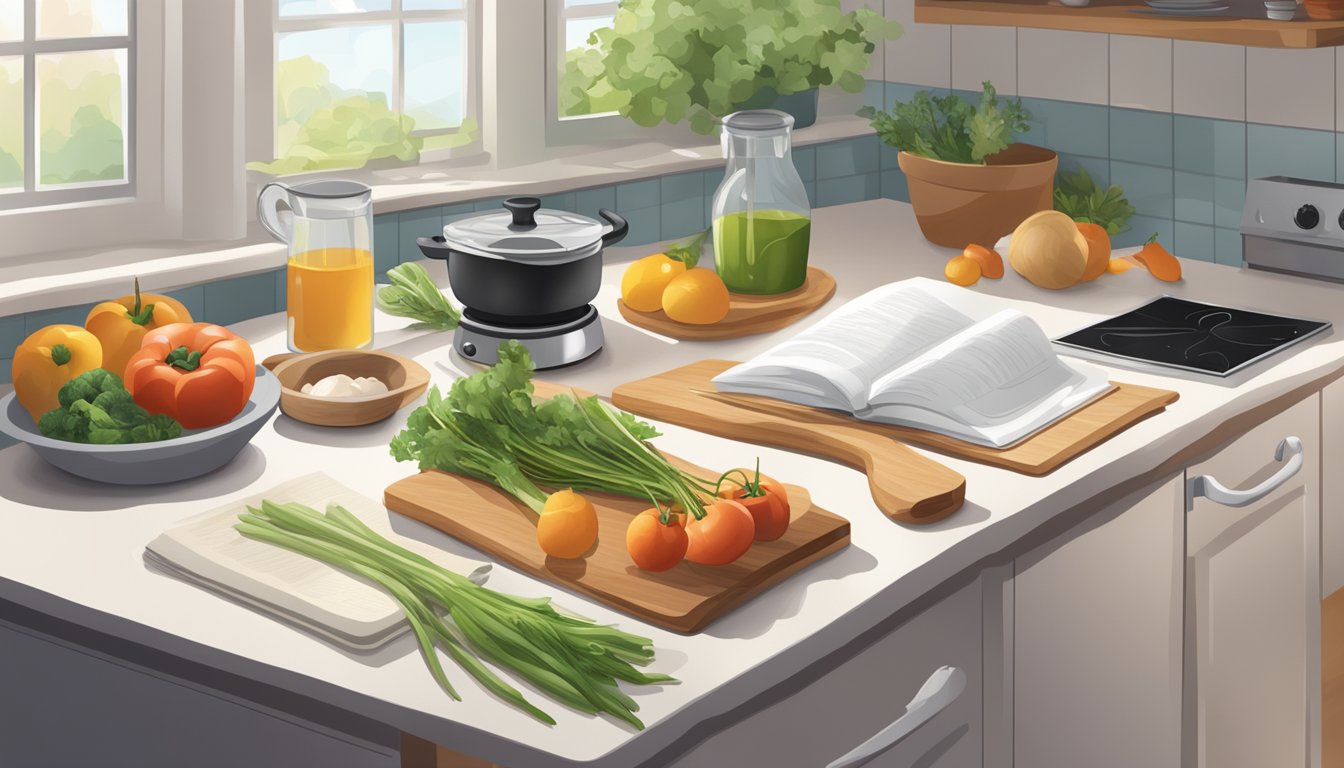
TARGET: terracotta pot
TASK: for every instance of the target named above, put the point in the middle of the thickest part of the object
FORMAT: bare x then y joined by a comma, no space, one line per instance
960,203
1325,10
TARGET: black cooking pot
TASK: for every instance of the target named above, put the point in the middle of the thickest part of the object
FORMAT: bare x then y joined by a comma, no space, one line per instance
526,263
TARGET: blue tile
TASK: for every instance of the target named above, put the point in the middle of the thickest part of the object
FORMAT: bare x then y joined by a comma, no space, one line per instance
682,218
386,245
895,186
681,186
63,315
1279,150
1148,188
1079,129
1140,136
804,159
847,158
1193,241
488,204
6,377
587,201
874,94
1229,198
192,297
1208,146
905,92
239,298
1099,168
1194,197
888,157
637,194
1227,246
811,187
563,201
711,179
1143,227
423,222
457,211
849,189
645,225
282,289
1339,157
1035,133
12,334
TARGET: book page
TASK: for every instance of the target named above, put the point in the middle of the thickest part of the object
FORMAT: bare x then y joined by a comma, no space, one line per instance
834,363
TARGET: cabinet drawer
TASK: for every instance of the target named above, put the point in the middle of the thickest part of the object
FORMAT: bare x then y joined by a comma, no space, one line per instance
866,693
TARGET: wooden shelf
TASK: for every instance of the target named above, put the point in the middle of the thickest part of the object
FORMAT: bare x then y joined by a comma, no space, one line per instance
1117,17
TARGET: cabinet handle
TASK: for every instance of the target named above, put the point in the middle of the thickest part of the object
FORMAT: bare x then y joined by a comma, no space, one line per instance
1206,485
937,694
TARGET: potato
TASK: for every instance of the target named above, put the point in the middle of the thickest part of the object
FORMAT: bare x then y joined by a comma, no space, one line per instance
1048,250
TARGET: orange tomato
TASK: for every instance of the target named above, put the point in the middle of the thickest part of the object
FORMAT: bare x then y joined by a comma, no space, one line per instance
770,511
724,534
991,263
697,296
197,373
568,525
653,545
962,270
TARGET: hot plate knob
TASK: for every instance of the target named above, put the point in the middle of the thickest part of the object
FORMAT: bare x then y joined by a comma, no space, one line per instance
1307,217
469,349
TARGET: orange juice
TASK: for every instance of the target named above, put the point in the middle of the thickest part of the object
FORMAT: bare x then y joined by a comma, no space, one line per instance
331,299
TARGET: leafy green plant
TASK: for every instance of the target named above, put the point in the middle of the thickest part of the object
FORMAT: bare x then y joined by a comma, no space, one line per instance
948,128
96,408
413,294
1083,200
669,60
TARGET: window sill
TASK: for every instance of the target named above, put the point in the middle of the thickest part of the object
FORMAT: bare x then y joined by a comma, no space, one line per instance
65,278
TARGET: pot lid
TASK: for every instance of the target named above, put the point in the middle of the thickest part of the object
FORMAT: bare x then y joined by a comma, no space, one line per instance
525,231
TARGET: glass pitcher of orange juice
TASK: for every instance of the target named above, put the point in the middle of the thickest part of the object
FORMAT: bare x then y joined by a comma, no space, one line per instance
329,231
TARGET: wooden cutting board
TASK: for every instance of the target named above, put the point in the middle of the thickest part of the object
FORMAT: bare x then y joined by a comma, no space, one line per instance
747,314
686,396
684,599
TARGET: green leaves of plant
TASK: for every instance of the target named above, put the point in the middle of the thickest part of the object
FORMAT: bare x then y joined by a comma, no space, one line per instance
413,294
1083,200
947,127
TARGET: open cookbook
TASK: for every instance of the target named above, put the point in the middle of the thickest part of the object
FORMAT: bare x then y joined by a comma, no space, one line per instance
900,355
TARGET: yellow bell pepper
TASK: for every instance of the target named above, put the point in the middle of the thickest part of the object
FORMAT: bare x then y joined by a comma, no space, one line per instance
48,359
121,325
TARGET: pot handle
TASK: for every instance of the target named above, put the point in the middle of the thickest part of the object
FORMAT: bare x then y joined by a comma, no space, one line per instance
619,226
433,247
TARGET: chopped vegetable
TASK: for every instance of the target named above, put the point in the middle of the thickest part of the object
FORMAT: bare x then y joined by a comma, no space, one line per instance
121,325
413,294
948,128
722,535
655,540
1098,250
1159,260
567,526
198,373
96,408
991,263
570,659
487,426
764,498
1084,201
48,359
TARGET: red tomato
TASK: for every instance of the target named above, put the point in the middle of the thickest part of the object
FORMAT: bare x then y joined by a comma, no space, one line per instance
197,373
771,513
724,534
652,545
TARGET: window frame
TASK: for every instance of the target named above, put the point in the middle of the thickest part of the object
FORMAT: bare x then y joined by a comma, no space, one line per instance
34,195
397,17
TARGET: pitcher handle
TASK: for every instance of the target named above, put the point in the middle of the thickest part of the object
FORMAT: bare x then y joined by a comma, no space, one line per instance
280,225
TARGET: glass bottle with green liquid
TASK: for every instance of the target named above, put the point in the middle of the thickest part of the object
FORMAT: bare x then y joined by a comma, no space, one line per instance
762,221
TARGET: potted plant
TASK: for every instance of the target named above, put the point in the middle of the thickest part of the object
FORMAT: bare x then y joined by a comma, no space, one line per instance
969,183
669,60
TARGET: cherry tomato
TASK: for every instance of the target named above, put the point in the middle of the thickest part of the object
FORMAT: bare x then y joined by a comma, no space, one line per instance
724,534
567,526
770,512
653,545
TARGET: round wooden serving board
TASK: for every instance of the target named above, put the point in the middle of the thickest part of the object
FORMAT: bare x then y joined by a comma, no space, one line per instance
747,314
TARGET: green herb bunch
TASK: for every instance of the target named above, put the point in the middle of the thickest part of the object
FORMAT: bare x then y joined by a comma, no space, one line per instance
669,60
413,294
948,128
96,408
1083,200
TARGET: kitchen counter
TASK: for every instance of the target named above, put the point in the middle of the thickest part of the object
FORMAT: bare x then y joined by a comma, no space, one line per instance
72,549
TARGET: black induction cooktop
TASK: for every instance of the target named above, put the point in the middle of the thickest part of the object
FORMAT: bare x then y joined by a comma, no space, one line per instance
1204,338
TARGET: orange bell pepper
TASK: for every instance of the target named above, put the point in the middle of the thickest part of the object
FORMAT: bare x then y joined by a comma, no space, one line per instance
197,373
49,358
121,325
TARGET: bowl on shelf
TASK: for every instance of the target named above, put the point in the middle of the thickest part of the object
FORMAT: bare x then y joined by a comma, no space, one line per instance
1281,10
195,453
405,379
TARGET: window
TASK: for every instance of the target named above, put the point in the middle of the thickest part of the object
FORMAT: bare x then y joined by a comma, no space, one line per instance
578,20
66,101
383,81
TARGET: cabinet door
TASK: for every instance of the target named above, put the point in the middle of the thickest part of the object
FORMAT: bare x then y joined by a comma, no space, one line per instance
1332,489
849,704
1253,604
1097,648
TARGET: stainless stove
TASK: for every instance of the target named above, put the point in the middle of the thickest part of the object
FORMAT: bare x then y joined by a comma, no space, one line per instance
1294,226
552,341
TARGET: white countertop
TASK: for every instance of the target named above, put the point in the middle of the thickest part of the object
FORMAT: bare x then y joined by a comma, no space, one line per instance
73,548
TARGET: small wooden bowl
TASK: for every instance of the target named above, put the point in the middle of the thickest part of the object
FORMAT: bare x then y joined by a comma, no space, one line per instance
405,379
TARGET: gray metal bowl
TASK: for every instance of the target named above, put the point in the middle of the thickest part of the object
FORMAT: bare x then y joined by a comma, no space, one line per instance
193,454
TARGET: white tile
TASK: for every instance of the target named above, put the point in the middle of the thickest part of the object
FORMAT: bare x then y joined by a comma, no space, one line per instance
1209,80
922,55
1070,66
1291,87
1141,72
984,53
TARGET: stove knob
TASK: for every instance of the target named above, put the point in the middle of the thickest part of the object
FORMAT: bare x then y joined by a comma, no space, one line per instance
1307,217
469,349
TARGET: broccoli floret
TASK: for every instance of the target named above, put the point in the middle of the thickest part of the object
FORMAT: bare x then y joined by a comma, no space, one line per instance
88,385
